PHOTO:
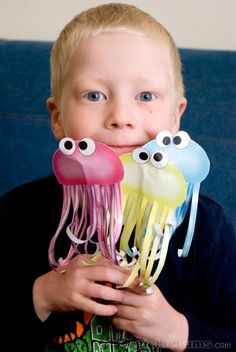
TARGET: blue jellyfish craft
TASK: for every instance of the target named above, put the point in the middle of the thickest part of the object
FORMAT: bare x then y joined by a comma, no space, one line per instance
192,161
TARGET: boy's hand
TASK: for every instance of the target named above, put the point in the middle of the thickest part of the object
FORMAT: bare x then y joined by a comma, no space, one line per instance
80,287
151,318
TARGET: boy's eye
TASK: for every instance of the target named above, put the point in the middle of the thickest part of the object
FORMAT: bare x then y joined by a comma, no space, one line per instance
146,96
95,96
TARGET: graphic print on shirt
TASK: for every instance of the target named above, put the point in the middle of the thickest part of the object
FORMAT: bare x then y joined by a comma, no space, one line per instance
97,334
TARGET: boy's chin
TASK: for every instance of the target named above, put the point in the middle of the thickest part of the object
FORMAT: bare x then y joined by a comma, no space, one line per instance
123,150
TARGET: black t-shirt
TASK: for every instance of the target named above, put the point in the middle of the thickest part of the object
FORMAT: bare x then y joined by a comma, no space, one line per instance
202,286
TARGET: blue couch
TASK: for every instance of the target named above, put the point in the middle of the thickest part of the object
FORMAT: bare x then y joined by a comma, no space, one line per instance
27,144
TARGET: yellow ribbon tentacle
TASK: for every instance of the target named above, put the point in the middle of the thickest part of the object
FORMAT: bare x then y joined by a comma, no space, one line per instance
130,222
147,240
133,274
164,247
164,250
163,217
142,222
151,259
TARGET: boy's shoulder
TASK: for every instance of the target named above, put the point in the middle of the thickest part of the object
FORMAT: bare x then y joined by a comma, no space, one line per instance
33,207
213,228
34,196
32,188
211,212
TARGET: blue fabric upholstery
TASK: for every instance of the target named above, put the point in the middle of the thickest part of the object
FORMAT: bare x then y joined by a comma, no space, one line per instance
27,144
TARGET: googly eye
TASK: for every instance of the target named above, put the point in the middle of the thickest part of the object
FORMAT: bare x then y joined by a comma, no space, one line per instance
67,146
181,139
164,138
87,146
140,155
159,159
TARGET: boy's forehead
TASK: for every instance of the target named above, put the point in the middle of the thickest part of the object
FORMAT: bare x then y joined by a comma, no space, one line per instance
120,74
120,44
157,38
122,57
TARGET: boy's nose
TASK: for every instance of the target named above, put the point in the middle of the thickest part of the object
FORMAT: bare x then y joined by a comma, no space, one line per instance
119,116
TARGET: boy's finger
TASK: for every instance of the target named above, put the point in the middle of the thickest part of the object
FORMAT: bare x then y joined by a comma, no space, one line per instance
98,308
106,274
105,292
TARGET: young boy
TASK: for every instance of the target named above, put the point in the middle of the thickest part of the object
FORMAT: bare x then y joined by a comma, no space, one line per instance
116,78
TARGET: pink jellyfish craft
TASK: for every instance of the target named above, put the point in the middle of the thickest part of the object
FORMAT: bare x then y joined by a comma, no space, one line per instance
90,174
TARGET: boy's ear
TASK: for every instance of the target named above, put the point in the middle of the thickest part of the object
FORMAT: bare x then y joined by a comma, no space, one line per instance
56,123
180,108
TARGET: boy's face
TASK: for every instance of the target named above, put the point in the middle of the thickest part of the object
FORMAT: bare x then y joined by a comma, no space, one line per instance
119,90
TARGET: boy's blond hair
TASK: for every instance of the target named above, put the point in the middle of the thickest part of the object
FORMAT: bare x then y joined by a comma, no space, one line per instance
108,18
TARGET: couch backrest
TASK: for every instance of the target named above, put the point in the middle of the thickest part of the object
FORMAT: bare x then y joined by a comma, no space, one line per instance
27,144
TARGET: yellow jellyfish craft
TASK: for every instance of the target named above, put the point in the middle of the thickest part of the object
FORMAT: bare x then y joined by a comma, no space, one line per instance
152,189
